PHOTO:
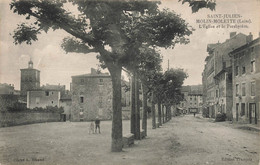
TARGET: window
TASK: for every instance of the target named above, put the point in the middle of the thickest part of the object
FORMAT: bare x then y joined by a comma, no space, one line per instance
101,82
81,99
243,109
243,70
47,93
52,102
252,66
253,88
190,98
216,93
37,100
237,89
236,70
243,89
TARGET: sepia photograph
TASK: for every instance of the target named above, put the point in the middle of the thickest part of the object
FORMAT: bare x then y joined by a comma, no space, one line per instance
129,82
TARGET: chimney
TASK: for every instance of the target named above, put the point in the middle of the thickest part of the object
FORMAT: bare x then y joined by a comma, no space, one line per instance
93,71
249,38
232,34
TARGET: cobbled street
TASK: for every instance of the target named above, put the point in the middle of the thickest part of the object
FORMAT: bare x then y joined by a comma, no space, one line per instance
185,140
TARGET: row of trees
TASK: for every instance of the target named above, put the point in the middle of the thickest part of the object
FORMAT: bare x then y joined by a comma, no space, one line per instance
124,33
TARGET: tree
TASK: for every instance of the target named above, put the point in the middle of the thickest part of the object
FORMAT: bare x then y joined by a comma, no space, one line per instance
173,81
103,27
150,64
196,5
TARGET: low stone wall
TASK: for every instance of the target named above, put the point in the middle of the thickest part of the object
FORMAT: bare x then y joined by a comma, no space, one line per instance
21,118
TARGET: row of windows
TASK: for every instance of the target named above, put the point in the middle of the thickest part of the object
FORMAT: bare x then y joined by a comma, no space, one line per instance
47,93
245,111
243,89
100,101
243,71
100,80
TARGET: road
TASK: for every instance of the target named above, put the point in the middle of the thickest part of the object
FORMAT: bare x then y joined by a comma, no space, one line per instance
184,140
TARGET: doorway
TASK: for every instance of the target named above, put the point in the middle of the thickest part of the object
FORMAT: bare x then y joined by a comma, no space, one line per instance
237,107
252,113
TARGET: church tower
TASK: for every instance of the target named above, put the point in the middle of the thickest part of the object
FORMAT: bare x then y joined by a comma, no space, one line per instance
30,79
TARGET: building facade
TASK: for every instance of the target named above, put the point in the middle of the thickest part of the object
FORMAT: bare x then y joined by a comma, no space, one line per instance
30,79
7,89
208,83
217,76
246,82
192,101
43,98
223,73
91,96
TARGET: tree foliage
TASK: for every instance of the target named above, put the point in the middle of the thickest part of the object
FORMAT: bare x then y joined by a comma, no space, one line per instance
197,5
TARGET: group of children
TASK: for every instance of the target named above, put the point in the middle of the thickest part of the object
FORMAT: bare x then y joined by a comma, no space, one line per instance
97,128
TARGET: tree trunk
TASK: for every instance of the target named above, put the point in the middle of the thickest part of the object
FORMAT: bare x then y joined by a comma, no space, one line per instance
167,113
153,112
117,143
132,121
137,110
144,121
159,114
163,121
170,112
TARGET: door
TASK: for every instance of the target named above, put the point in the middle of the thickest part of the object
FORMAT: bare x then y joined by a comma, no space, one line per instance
252,113
237,107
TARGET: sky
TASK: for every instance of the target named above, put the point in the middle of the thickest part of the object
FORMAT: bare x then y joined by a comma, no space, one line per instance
57,67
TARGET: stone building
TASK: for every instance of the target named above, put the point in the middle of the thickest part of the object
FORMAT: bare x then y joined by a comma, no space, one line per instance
208,81
61,88
30,79
217,76
9,97
192,99
6,89
246,82
43,98
183,105
91,96
223,73
66,102
194,102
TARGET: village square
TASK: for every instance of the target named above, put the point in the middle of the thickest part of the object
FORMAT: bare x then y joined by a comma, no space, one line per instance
129,82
